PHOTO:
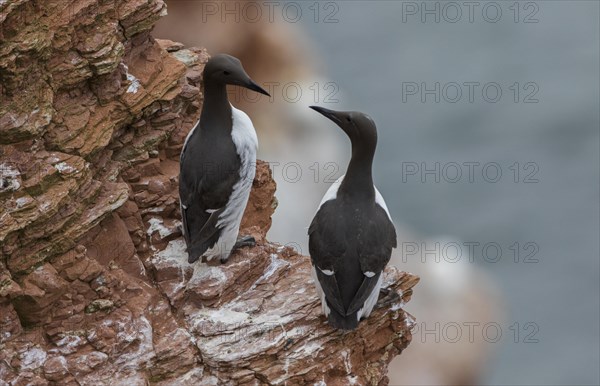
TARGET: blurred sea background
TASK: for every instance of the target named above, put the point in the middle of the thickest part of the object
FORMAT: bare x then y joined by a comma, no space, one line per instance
369,55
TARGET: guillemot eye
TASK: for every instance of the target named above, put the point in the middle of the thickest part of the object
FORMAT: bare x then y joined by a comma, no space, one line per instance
349,119
226,73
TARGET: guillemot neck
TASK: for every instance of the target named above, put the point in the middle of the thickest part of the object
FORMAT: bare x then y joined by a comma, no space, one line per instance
216,106
358,181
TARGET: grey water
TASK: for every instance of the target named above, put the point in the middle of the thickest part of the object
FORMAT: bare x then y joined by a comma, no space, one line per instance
387,57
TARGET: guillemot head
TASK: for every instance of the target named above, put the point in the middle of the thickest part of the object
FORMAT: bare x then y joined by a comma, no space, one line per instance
358,126
226,69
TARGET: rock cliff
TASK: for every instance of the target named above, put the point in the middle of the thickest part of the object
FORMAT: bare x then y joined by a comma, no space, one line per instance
94,284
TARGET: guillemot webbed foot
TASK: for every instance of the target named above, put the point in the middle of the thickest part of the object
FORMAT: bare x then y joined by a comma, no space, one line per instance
388,297
246,241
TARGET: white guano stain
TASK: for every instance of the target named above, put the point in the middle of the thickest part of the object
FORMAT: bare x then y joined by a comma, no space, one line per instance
156,224
64,167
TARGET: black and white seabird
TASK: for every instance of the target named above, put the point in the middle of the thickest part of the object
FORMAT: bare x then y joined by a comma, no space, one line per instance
352,235
218,163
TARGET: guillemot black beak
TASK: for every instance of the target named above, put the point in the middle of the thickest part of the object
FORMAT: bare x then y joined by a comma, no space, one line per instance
255,87
327,113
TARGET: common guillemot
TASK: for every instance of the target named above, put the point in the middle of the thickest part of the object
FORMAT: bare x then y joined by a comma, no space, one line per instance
352,235
218,163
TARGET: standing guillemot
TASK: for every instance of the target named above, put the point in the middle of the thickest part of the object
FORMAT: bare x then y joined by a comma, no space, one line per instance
352,235
218,163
